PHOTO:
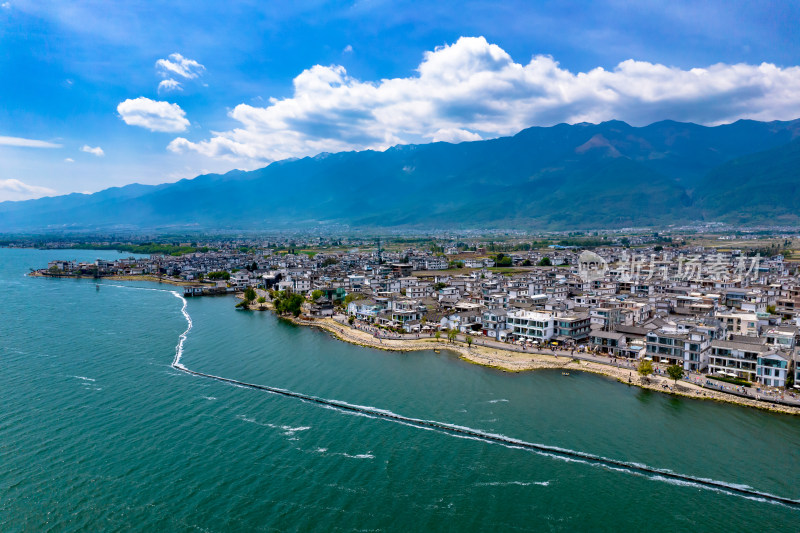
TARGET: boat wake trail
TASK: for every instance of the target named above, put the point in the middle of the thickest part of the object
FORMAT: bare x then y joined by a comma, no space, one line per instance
176,363
555,452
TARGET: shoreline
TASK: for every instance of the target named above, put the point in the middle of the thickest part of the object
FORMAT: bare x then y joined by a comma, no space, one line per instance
153,279
497,358
509,361
128,277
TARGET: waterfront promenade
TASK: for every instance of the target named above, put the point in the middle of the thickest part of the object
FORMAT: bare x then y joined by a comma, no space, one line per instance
516,358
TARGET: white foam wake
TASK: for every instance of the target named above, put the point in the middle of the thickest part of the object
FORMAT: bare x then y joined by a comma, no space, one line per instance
176,361
476,434
182,339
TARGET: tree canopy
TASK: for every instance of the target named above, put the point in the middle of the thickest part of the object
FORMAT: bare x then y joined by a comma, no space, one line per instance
249,294
288,303
645,368
675,372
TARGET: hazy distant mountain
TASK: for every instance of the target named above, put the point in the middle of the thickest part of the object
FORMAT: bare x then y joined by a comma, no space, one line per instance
562,177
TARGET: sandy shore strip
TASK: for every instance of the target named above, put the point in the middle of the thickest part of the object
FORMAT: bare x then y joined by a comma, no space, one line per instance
131,277
145,277
520,362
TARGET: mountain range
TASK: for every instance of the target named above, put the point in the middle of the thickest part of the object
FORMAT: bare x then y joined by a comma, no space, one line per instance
562,177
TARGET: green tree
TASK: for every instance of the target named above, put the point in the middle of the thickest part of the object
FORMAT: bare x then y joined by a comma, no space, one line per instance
545,262
469,340
261,300
502,260
253,267
249,294
351,320
645,368
771,309
451,335
675,372
289,303
317,294
352,297
437,335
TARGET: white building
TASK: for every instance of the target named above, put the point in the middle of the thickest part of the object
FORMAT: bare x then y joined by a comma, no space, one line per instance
740,323
531,325
772,369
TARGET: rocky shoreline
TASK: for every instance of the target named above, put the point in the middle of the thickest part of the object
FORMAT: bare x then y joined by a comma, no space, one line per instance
509,361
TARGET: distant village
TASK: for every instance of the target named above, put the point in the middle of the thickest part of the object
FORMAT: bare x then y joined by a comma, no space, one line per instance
728,315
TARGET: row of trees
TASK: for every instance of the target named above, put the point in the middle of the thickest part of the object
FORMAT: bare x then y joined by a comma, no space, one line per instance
503,260
645,368
452,335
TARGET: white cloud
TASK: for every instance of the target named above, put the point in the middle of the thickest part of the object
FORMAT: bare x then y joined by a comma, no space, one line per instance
69,160
153,115
12,189
169,85
453,135
6,5
474,89
347,49
180,66
26,143
94,151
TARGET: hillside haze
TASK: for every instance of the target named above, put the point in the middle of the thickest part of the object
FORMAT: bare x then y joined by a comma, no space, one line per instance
561,177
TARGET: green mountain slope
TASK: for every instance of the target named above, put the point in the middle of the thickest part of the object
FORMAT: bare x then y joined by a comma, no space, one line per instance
760,187
561,177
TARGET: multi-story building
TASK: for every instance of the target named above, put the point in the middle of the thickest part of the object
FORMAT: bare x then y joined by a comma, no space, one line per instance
781,337
739,323
531,325
735,359
608,342
772,369
420,290
572,327
685,349
606,317
494,323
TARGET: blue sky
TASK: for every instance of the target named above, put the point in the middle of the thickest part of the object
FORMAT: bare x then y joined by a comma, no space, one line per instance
100,94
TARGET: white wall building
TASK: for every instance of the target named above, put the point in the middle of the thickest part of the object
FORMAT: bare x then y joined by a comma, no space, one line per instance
531,325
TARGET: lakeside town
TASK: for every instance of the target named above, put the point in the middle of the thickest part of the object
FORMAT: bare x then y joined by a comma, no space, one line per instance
726,317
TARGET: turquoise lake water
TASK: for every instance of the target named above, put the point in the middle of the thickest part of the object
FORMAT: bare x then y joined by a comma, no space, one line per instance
98,432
